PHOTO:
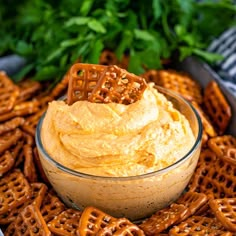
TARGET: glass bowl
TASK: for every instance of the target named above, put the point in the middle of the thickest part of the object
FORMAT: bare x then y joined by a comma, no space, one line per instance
134,197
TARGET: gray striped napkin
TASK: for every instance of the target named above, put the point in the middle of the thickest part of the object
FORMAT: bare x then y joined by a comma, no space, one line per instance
225,45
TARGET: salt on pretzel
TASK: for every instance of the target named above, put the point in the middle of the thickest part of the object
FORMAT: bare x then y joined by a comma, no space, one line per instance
92,220
163,219
119,86
66,223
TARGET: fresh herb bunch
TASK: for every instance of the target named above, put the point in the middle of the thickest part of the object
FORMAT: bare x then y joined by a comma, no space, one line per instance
52,35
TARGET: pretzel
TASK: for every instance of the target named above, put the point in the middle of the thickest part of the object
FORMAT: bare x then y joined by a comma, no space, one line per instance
28,222
121,226
60,87
231,155
8,93
28,89
7,161
217,107
220,144
28,139
151,76
206,157
225,211
51,207
29,166
107,58
66,223
204,138
31,122
11,124
217,179
14,191
82,80
38,191
119,86
163,219
207,125
193,201
9,139
181,83
198,225
22,109
92,220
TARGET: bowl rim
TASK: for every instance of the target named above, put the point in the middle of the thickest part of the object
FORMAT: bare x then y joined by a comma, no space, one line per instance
67,170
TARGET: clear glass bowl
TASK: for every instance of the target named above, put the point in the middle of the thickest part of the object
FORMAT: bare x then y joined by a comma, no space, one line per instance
133,197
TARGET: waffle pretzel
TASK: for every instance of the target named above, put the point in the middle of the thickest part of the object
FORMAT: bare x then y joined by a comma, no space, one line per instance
207,125
220,144
9,93
193,201
179,82
163,219
121,226
92,220
119,86
82,80
217,107
217,179
66,223
51,206
28,222
6,162
14,191
199,226
38,191
9,139
225,211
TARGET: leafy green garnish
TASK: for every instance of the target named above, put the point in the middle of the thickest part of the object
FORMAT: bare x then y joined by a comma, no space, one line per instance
52,35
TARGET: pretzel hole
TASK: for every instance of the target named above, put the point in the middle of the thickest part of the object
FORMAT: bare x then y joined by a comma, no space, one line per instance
229,183
32,221
35,229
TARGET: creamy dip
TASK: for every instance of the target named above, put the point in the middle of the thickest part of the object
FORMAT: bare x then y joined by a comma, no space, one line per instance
115,139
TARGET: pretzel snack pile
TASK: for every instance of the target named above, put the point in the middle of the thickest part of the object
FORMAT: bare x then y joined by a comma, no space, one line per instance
29,205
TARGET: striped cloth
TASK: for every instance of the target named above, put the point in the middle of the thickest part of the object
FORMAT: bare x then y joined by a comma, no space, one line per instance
225,45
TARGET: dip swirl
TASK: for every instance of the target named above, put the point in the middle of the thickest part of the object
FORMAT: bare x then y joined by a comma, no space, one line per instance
115,139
